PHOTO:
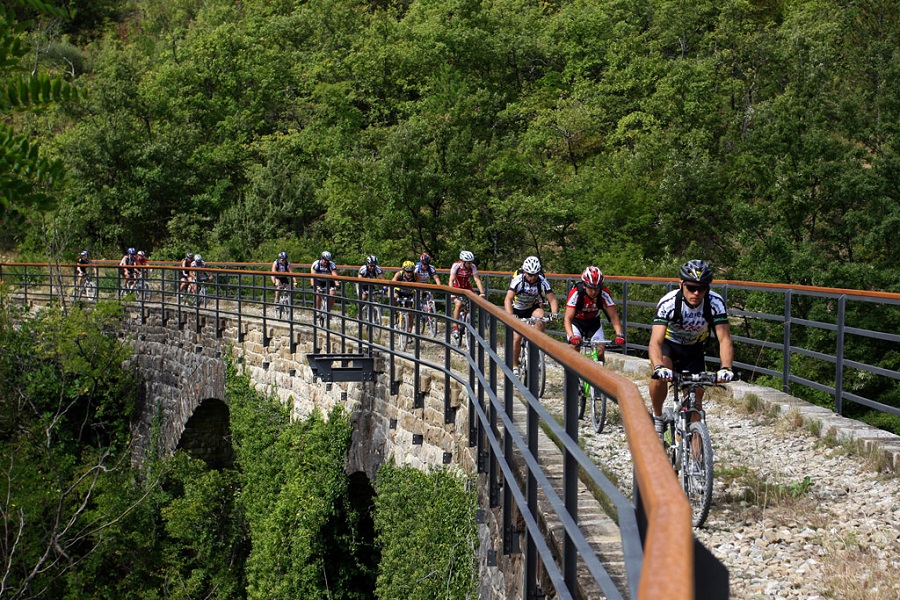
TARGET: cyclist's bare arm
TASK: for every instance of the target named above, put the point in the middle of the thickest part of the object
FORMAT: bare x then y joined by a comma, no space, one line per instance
508,301
477,281
726,345
568,318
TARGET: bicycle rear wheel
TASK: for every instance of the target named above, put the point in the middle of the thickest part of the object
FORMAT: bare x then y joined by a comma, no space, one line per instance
598,409
697,472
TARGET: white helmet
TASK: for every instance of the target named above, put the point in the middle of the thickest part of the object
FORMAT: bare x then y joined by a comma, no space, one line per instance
326,255
466,256
532,265
198,258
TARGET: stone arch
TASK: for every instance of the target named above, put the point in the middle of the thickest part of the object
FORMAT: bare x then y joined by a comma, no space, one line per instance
207,434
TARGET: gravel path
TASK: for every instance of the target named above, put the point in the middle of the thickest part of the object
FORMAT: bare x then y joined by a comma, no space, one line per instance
792,516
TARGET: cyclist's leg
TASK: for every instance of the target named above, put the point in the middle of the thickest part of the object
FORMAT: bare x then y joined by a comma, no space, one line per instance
332,294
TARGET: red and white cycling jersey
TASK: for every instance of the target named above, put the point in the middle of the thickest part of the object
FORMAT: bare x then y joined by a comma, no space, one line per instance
591,307
460,276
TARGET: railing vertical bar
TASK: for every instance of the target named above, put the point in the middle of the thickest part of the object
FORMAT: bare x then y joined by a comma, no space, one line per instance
509,407
493,470
625,315
786,356
570,475
839,355
449,416
532,427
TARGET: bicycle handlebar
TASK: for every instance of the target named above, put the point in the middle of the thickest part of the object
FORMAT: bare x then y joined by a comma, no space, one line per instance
706,378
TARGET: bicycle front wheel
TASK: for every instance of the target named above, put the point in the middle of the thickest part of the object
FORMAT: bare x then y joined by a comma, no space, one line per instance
583,392
697,471
542,374
598,409
402,328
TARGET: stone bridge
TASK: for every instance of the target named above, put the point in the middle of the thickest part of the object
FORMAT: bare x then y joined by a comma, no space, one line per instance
184,363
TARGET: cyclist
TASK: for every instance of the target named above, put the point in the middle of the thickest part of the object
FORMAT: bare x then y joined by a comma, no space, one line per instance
126,268
684,320
425,271
583,306
462,273
403,297
82,265
324,266
524,298
281,265
184,279
198,278
370,270
140,260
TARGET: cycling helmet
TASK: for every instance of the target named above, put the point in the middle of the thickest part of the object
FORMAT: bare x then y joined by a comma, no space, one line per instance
326,255
592,277
141,253
696,271
84,253
189,256
282,256
425,259
198,258
409,266
372,260
131,251
466,256
532,265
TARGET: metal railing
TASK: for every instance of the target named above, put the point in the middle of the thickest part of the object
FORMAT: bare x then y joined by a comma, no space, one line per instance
657,539
802,337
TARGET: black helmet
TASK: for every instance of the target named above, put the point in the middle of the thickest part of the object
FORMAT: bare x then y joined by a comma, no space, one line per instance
372,260
282,255
189,256
696,271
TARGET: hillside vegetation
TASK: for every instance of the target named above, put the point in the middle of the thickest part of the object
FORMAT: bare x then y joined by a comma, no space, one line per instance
631,134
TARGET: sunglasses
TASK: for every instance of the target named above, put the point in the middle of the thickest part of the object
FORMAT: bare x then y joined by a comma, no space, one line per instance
696,288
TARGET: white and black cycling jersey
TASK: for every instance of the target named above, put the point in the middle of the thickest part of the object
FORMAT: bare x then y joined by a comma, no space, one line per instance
370,272
528,294
693,327
324,267
424,273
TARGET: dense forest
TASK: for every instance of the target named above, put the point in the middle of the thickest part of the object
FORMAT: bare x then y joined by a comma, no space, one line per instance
758,134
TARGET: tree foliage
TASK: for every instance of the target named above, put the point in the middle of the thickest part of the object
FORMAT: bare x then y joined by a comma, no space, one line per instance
426,530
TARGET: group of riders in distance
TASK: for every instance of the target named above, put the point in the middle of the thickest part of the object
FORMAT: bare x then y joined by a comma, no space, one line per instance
684,320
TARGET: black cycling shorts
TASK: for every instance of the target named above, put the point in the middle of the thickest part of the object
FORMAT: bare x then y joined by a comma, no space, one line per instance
524,313
685,358
324,284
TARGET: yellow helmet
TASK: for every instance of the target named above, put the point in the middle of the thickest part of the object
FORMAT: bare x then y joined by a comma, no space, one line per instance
409,266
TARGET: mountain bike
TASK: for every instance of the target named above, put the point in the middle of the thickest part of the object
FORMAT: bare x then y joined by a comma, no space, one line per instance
428,318
687,441
586,391
523,358
197,291
371,310
283,305
402,322
86,288
460,336
140,288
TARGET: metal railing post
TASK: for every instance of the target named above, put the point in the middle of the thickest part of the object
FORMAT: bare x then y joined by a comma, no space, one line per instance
786,356
570,474
509,536
625,316
839,357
